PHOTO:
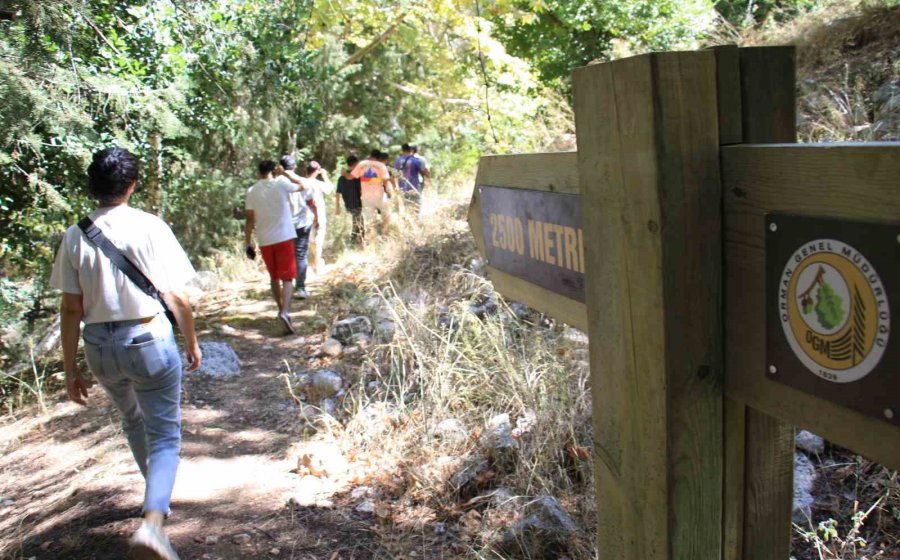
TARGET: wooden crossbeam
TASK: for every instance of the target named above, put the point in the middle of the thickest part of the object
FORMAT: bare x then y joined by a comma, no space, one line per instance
857,181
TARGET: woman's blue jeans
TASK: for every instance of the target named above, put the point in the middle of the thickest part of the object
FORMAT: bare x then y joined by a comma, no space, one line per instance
139,367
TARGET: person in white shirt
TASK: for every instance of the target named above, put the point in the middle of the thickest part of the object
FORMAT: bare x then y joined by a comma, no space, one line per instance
129,343
317,235
308,208
268,212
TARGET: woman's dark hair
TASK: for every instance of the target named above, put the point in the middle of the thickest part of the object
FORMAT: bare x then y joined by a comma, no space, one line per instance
110,174
288,161
266,166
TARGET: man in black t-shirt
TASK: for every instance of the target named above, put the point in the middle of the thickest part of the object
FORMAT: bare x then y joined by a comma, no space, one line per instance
350,190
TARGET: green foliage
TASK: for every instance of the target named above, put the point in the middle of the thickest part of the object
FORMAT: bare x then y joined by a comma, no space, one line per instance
558,35
807,305
829,308
225,83
14,299
747,13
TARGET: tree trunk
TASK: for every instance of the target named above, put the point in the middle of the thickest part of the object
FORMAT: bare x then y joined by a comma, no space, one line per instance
291,147
154,175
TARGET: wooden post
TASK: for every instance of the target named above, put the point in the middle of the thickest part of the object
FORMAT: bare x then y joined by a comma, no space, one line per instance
768,114
648,162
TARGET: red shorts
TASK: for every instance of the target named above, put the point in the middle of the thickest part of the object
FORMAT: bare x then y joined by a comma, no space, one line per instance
280,260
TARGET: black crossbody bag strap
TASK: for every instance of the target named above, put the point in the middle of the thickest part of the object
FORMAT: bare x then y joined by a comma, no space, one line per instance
128,268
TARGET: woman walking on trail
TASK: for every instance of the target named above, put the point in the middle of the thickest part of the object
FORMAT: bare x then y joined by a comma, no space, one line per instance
121,270
305,212
317,235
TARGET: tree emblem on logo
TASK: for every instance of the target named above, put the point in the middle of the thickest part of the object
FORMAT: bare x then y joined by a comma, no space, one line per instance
828,306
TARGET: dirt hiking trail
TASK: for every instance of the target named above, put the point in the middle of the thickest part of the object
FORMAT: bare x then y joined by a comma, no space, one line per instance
69,488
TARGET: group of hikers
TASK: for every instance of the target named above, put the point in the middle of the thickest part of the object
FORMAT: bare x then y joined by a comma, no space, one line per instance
123,274
286,211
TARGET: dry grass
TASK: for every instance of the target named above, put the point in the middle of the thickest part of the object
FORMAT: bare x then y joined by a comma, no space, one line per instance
847,50
446,362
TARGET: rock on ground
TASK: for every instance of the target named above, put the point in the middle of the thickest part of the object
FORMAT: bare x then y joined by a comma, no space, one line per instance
205,280
385,330
471,468
367,506
804,479
520,310
477,265
345,290
525,424
810,442
226,329
887,111
484,306
375,418
575,335
451,431
219,360
545,514
361,340
324,384
328,406
545,526
344,329
332,347
373,387
372,303
498,433
322,460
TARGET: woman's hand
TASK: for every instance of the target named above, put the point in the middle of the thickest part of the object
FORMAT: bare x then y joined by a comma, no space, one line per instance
194,357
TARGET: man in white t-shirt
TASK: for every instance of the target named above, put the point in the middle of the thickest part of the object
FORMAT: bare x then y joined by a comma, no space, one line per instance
129,343
268,212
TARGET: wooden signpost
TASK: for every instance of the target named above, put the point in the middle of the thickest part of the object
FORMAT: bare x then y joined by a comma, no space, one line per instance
734,285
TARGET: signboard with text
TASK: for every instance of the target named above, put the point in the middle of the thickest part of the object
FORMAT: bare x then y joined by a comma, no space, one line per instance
535,236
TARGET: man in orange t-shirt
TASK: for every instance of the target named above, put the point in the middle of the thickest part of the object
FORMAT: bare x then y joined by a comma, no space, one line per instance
375,187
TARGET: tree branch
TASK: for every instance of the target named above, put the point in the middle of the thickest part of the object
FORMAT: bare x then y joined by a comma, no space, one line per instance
365,51
100,33
431,95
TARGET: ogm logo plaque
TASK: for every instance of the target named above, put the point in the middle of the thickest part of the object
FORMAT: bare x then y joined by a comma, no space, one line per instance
834,310
830,288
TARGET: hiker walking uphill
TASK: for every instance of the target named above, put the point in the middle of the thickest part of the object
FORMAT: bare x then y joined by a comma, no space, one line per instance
304,214
414,171
317,234
348,190
268,208
119,270
374,186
